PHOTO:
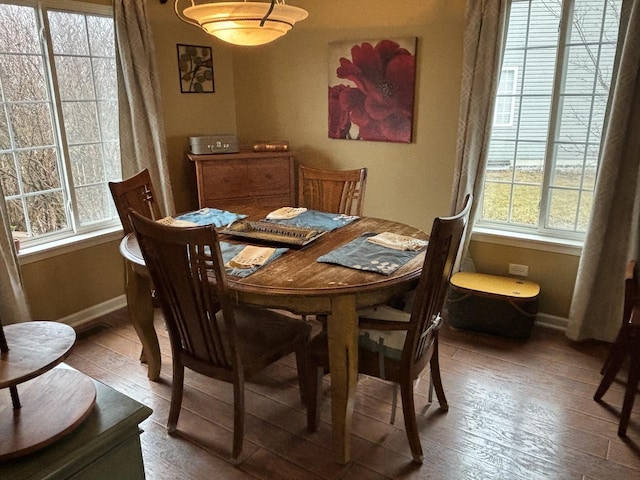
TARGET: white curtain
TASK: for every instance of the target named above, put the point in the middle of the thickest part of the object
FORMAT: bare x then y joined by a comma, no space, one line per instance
485,28
13,304
142,137
612,239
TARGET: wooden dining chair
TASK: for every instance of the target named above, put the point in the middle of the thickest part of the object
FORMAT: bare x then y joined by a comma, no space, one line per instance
208,333
626,346
334,191
135,192
395,345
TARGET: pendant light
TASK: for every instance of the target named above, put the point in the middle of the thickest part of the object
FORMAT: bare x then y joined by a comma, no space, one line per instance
242,22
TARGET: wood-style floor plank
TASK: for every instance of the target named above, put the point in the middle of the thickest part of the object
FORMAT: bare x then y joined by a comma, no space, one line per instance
518,410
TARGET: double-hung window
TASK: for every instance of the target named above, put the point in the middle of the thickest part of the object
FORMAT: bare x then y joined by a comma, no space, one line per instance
58,119
549,116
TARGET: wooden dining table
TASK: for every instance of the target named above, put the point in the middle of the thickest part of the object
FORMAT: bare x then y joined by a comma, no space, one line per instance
296,282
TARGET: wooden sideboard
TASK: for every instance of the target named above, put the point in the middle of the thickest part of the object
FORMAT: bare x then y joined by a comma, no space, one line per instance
258,178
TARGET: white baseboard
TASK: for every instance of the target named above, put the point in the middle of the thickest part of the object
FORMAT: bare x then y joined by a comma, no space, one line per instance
78,319
552,321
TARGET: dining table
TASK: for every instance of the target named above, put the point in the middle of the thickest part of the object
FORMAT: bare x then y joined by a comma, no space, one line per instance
297,282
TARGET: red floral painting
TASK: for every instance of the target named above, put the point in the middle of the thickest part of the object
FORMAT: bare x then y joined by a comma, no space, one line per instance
371,90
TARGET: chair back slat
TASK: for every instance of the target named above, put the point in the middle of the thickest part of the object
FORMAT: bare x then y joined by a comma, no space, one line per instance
135,193
186,267
334,191
444,243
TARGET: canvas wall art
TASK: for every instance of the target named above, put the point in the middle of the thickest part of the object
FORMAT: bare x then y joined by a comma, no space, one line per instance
372,89
195,66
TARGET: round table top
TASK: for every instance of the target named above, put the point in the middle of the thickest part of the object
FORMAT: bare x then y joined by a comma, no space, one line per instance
297,273
34,348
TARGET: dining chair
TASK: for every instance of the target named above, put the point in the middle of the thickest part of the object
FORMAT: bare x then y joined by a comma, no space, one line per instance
135,192
208,333
395,345
626,346
334,191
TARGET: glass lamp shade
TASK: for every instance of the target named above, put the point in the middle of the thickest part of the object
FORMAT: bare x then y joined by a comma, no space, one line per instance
239,22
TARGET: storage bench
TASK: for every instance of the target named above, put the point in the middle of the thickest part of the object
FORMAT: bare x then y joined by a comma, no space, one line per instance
496,305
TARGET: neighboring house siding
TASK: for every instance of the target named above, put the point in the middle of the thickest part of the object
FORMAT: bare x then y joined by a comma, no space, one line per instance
535,65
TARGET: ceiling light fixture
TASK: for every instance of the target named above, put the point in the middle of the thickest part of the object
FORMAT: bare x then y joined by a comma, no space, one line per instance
242,22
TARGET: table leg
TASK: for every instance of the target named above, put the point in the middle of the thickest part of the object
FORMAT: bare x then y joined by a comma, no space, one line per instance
140,305
342,332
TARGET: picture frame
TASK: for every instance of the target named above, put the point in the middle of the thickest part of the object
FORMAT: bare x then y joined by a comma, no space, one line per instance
372,89
195,69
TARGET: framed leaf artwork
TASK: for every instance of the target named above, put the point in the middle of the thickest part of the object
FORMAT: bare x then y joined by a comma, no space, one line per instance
195,66
372,89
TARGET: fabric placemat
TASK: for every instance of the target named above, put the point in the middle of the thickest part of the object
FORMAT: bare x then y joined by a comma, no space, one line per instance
361,254
230,250
210,216
317,220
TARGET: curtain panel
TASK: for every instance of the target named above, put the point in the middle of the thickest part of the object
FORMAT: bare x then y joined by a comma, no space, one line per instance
485,28
142,134
13,303
612,239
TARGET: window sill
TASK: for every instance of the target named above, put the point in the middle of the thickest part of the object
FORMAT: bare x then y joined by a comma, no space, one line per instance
67,245
523,240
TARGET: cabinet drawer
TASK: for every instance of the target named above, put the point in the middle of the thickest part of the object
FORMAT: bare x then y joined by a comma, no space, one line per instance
223,180
274,202
266,179
243,178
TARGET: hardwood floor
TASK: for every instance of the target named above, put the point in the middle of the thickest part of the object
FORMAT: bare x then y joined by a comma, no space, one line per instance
518,410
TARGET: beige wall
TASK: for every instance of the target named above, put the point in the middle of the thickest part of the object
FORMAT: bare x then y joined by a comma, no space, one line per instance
188,114
66,284
555,272
279,91
282,94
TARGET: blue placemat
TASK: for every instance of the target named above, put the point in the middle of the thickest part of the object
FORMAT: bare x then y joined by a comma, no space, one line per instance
230,250
361,254
318,220
210,216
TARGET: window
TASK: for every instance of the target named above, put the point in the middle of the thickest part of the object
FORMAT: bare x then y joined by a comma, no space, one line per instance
58,120
542,166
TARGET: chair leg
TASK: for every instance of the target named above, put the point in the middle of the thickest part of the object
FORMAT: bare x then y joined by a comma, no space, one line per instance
632,389
323,320
616,346
394,404
613,364
410,422
436,380
238,417
314,390
176,396
301,363
430,397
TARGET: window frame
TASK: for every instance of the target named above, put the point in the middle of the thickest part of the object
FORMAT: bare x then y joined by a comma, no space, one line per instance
505,96
75,233
541,230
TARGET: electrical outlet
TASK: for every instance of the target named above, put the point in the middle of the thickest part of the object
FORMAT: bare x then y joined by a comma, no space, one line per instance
520,270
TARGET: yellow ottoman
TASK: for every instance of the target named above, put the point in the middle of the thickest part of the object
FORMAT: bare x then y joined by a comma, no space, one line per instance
503,306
